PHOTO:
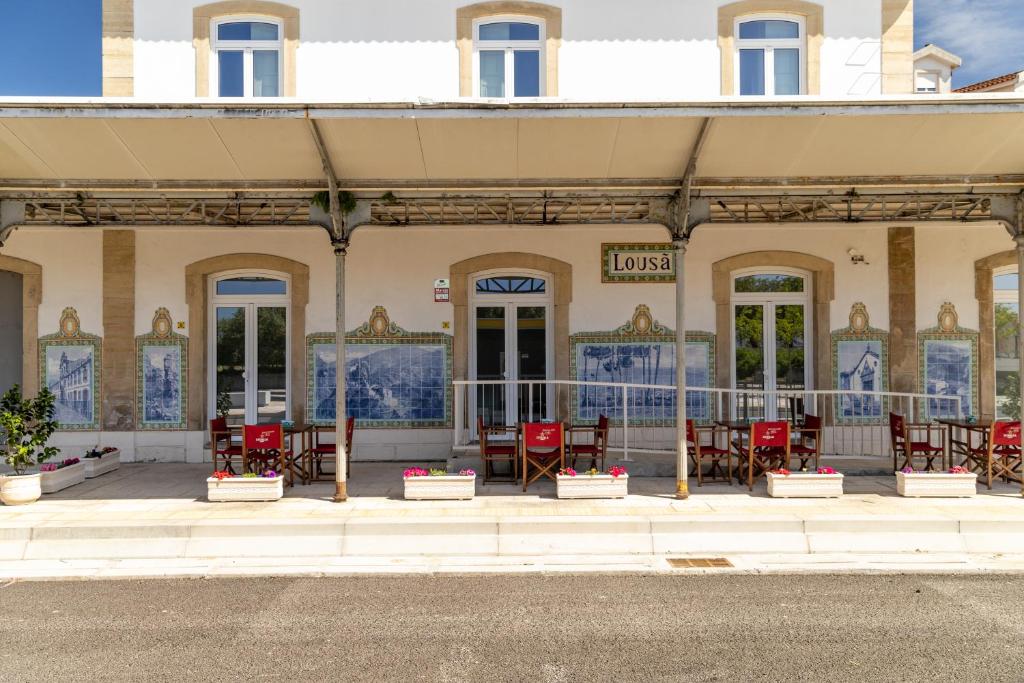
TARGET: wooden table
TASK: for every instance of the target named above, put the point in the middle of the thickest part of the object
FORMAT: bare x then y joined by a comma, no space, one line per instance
964,446
742,430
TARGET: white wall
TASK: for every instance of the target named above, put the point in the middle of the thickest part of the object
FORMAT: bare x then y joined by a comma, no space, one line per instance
72,262
945,268
941,68
387,50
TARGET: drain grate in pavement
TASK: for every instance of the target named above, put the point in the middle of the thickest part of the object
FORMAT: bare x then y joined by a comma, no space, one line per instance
694,562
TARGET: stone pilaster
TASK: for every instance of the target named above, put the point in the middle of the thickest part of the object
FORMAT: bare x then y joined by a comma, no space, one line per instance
118,378
118,48
902,310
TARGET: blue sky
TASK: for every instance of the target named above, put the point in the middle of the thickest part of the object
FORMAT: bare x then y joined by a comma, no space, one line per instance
987,34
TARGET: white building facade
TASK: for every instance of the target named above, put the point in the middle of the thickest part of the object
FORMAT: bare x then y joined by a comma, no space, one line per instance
509,228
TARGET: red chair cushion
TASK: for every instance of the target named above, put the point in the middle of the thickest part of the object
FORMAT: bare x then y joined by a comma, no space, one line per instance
585,448
924,447
325,449
500,450
800,448
230,450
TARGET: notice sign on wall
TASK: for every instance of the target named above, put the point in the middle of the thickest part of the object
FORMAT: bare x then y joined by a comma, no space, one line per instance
441,291
637,263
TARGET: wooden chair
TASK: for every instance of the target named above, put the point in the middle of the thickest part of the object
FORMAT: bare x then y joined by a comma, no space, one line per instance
221,446
807,441
543,449
263,449
700,452
492,451
900,434
768,449
320,452
1004,456
596,450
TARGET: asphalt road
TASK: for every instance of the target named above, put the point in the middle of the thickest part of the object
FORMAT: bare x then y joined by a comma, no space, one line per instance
529,627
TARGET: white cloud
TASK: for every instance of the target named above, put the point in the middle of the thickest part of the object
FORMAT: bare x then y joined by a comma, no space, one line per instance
987,34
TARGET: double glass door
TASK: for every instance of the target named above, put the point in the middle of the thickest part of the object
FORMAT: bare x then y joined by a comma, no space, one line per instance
511,346
770,330
250,368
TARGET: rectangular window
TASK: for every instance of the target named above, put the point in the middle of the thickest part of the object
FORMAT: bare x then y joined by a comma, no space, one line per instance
265,77
927,82
751,72
231,78
527,73
492,73
787,71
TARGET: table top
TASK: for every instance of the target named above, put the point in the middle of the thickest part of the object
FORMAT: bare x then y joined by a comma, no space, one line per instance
979,425
736,425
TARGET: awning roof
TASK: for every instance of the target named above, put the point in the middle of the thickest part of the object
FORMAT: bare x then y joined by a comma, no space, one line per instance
266,145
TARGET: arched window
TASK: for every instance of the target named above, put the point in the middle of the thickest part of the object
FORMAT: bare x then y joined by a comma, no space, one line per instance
508,57
247,57
770,55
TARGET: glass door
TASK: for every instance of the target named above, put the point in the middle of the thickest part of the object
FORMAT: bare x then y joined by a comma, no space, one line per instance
511,346
249,379
770,332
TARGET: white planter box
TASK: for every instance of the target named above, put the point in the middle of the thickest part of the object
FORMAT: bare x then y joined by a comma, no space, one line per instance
108,462
805,485
58,480
592,486
242,489
936,485
448,487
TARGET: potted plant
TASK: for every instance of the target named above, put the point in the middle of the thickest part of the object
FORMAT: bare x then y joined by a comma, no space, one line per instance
958,482
58,476
438,484
223,487
824,483
592,483
27,425
101,460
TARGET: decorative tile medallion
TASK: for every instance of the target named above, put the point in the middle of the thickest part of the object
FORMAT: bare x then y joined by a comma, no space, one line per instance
948,366
395,379
641,352
639,262
860,363
70,367
161,362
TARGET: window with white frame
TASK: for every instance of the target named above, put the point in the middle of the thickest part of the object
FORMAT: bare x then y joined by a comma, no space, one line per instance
770,59
927,82
246,57
1007,314
508,57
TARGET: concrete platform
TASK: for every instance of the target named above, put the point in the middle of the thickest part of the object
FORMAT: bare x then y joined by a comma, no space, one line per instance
158,513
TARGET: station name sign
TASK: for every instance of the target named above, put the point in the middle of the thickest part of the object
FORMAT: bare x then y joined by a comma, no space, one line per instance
641,262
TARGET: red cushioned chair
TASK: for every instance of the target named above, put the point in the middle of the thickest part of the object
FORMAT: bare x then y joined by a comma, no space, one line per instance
327,452
902,445
769,449
700,452
1004,458
596,449
223,449
807,441
543,450
498,450
263,449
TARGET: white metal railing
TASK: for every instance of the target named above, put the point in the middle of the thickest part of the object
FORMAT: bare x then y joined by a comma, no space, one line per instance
642,416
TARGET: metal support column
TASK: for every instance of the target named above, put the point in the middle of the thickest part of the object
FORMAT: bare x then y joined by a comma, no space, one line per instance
679,243
340,409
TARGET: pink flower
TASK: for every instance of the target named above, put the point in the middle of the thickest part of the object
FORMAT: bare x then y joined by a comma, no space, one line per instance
826,470
48,467
907,470
616,470
567,472
415,472
467,473
957,469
